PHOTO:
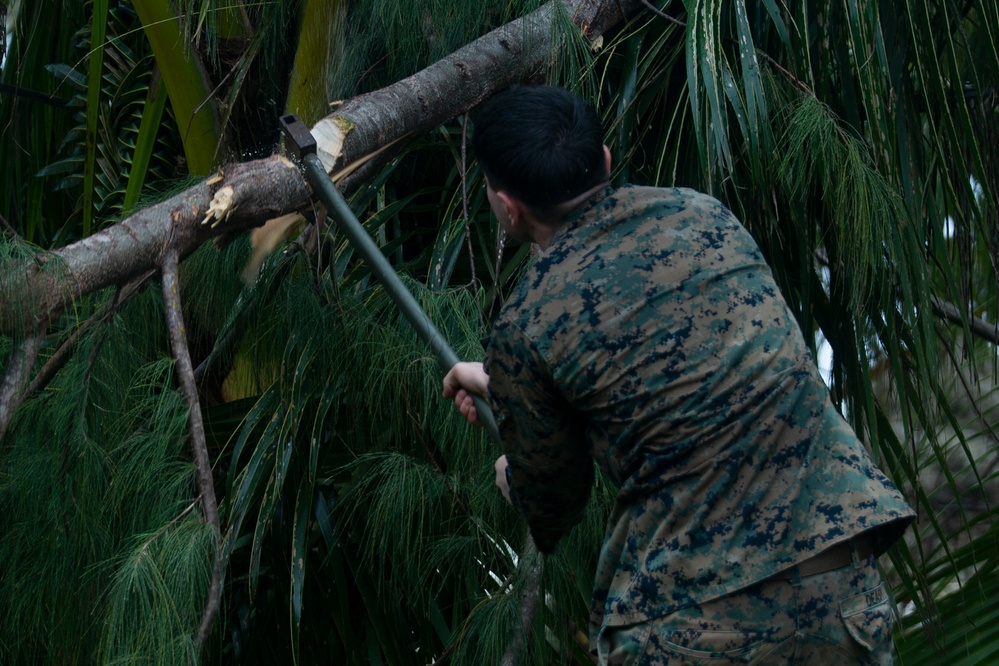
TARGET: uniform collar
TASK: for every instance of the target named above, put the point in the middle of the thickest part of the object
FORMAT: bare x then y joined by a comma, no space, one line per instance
573,218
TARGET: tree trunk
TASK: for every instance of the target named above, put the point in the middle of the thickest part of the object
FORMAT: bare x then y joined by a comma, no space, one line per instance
246,195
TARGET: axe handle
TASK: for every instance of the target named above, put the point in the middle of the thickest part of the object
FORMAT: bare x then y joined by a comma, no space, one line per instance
303,146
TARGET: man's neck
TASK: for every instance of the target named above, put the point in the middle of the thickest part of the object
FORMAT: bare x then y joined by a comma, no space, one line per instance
543,231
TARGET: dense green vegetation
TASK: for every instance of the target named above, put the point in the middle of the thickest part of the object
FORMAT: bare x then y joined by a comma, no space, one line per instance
856,141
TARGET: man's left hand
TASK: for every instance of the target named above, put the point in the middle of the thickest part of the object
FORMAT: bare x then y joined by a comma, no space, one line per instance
501,483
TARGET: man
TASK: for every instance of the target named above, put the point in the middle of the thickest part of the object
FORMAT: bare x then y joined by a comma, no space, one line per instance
651,338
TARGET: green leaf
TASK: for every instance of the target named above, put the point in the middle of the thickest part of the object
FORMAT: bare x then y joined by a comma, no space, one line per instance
145,144
98,30
67,74
190,97
299,551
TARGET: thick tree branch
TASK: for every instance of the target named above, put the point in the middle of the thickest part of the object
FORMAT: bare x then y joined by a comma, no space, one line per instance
248,194
196,426
978,326
456,83
255,192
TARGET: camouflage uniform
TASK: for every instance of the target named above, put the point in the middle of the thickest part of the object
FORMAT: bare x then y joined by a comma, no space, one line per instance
651,337
821,620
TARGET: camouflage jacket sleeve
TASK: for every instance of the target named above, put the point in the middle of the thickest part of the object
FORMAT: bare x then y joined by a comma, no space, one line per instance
551,468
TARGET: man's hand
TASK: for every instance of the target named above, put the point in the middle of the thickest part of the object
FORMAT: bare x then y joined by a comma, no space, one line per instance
500,466
460,383
463,380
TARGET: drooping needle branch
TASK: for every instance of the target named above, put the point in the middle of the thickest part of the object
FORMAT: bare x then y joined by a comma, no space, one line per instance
63,353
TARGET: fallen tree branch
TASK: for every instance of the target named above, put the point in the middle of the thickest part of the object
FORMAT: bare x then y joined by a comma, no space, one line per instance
196,426
243,196
453,85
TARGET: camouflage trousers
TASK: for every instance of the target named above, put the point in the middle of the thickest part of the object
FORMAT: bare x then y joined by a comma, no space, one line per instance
843,616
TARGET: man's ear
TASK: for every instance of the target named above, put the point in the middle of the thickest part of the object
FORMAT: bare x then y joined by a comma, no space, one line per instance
607,160
513,208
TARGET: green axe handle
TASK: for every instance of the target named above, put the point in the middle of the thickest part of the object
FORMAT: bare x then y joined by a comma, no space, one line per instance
303,146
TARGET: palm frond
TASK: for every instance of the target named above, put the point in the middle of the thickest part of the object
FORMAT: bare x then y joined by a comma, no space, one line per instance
190,94
105,159
34,126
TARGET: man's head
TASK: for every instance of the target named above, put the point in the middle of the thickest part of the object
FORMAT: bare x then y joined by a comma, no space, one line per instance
541,145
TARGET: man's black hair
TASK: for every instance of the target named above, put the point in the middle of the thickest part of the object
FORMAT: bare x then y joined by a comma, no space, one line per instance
541,144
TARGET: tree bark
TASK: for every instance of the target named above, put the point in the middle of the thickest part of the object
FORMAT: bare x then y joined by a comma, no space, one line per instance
196,428
36,291
22,358
529,601
242,196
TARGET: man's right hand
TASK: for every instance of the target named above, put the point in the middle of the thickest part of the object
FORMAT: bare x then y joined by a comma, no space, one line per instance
463,380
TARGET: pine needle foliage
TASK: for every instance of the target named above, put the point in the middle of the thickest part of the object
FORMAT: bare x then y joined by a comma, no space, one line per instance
868,216
391,503
158,588
93,459
387,41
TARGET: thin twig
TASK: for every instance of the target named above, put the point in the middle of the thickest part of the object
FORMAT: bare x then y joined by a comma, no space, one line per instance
22,358
943,309
663,14
163,530
464,201
418,433
229,335
199,447
794,79
9,229
59,358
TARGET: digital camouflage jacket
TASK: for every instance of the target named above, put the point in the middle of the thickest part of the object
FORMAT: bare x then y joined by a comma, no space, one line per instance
651,338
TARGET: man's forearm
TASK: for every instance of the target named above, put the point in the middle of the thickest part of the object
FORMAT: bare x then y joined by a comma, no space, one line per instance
551,503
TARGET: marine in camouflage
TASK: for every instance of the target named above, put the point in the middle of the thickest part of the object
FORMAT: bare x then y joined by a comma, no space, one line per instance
650,337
